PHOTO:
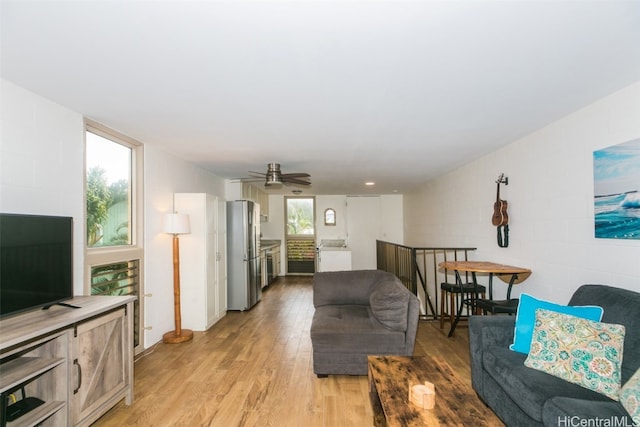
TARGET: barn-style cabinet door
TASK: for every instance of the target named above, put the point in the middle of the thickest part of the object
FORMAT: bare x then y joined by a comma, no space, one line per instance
100,365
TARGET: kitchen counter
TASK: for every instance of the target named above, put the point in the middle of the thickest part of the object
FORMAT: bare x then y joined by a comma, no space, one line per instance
269,244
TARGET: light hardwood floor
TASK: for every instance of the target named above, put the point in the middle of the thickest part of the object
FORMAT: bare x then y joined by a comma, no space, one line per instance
255,369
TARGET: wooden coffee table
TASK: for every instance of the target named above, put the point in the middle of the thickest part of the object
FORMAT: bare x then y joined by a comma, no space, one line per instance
456,402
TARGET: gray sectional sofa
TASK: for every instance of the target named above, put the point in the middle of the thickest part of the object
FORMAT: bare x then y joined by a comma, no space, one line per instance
522,396
360,313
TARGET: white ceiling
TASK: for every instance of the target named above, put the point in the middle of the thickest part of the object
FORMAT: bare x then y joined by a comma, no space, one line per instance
395,92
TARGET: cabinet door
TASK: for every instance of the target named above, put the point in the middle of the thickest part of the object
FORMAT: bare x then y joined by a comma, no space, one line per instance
99,364
276,263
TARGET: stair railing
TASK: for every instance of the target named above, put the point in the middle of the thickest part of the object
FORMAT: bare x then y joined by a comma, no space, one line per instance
417,268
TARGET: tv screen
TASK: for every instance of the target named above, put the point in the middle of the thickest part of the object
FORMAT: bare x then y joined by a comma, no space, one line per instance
36,261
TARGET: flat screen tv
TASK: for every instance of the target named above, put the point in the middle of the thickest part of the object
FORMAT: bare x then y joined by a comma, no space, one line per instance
36,261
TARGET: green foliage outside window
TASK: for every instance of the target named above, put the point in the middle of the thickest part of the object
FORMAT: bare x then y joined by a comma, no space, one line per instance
101,198
300,216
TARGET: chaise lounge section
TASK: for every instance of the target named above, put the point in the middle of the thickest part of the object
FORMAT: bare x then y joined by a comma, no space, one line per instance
360,313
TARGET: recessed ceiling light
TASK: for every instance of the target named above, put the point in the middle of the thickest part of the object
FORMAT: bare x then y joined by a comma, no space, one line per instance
370,183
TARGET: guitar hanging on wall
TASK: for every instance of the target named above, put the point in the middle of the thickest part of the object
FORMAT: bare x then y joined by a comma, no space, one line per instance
500,217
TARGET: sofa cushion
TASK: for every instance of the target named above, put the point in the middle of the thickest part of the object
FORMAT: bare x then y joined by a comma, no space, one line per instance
630,396
352,329
578,350
525,318
389,302
528,388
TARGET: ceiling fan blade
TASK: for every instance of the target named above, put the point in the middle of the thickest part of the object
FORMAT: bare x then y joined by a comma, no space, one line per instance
295,181
296,175
275,177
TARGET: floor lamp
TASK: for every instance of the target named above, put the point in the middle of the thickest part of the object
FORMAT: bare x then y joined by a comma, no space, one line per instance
176,224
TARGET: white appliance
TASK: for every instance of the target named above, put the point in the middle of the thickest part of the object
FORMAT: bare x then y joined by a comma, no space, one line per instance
243,255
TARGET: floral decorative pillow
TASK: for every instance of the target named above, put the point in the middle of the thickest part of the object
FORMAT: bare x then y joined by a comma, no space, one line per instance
581,351
630,397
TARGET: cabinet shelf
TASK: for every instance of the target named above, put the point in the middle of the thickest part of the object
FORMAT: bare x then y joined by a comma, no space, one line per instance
45,351
23,369
37,415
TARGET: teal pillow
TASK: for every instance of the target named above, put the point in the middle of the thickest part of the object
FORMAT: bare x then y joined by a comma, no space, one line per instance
526,317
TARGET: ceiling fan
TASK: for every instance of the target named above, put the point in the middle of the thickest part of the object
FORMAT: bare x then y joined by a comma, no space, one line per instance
275,177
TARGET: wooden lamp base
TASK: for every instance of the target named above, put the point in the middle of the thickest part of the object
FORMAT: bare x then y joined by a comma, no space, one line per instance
174,338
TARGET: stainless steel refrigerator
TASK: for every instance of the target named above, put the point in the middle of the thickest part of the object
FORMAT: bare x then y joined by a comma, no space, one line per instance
243,255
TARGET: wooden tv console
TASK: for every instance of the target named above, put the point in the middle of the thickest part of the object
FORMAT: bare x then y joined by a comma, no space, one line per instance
79,361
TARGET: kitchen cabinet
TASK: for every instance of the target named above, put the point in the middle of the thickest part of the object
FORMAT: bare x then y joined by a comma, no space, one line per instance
264,269
253,193
79,362
203,290
334,259
276,261
270,260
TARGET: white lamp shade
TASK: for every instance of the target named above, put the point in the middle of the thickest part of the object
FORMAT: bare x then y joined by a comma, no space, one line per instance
175,223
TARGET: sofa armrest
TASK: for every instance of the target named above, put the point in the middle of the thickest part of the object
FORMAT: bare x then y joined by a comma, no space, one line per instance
413,316
484,332
345,287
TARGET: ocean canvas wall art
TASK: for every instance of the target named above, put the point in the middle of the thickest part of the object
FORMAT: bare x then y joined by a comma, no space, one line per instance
616,171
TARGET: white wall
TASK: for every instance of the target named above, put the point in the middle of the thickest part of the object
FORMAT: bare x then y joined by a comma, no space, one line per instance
42,172
164,175
550,196
42,162
390,215
391,218
329,232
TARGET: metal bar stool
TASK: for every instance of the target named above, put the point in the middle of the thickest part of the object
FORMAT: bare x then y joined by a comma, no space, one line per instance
455,292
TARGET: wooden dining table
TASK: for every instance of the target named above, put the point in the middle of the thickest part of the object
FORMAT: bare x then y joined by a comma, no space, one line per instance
514,274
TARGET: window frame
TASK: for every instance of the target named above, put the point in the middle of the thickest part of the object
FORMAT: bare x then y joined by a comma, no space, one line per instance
101,255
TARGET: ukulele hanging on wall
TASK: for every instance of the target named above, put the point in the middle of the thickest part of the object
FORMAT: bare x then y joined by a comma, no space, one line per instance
500,217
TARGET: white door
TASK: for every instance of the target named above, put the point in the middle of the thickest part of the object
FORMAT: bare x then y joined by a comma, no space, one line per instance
363,224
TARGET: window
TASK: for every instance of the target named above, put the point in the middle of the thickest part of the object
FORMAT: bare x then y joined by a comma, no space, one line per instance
108,192
329,217
120,278
300,216
113,238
